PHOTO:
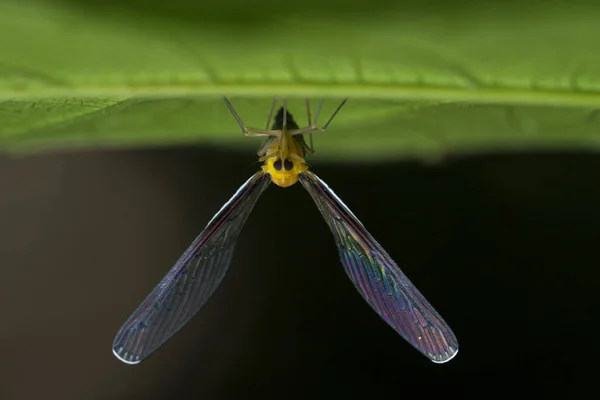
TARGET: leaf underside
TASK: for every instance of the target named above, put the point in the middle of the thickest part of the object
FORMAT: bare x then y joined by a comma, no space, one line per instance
424,79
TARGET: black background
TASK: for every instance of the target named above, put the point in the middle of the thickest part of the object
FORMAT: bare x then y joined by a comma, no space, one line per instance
504,246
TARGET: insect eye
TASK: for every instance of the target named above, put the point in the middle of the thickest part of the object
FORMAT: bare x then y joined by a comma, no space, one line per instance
277,164
288,165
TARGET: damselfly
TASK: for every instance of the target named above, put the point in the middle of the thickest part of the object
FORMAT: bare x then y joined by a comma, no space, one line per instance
196,275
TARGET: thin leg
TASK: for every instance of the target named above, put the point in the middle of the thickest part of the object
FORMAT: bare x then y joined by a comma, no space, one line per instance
308,111
271,113
314,128
264,139
262,132
306,130
310,137
246,130
235,114
284,114
265,146
319,104
267,156
335,113
309,151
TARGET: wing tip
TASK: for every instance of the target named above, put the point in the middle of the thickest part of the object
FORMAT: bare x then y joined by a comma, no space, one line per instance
444,358
127,358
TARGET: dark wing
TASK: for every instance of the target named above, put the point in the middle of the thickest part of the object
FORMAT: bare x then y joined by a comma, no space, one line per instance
191,281
379,280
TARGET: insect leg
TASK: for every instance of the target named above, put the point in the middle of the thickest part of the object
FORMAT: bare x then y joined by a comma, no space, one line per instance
310,137
248,131
314,127
262,147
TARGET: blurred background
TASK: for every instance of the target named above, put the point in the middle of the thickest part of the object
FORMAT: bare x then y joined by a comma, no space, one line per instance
505,247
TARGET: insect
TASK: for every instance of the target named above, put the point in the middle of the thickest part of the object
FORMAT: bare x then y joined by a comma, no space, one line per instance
198,272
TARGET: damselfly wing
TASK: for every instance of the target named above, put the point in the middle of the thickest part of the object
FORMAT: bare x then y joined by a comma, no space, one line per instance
379,280
196,275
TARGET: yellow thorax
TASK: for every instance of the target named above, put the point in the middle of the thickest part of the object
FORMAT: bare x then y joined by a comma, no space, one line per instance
287,160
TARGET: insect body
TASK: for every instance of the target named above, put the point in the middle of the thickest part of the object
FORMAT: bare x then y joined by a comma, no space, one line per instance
198,272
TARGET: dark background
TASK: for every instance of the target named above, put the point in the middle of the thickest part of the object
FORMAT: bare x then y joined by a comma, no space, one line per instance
504,246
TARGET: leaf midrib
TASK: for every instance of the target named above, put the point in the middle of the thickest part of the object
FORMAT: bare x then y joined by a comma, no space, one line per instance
498,95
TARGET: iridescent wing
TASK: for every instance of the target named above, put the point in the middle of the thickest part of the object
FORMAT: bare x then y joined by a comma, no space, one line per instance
379,280
192,280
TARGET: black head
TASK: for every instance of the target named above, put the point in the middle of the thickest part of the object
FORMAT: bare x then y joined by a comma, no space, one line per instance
278,123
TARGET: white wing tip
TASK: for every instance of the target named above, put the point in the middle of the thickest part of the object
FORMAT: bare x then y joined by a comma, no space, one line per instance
126,358
445,360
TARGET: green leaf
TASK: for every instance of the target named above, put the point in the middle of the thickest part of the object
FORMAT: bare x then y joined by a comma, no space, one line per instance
424,77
